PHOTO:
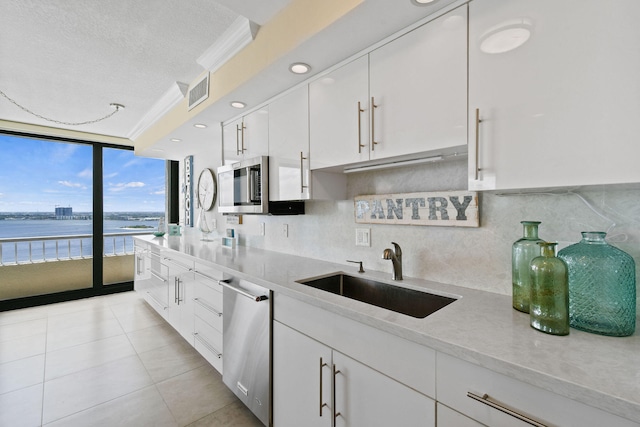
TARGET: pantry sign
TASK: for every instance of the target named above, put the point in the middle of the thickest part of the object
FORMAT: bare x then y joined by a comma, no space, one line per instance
451,208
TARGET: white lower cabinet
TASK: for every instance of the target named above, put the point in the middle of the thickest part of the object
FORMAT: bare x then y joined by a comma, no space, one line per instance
207,299
316,378
180,284
497,400
447,417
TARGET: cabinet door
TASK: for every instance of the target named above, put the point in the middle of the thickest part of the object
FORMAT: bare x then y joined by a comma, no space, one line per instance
338,127
181,287
364,397
418,84
289,146
255,134
301,380
231,133
560,109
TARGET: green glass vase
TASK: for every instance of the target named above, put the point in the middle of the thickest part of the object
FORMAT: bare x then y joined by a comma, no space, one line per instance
549,304
522,252
602,286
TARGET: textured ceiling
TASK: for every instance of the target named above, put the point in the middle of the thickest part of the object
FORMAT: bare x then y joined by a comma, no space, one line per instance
69,59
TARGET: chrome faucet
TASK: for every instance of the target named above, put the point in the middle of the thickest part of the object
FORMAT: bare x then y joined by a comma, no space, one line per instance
396,260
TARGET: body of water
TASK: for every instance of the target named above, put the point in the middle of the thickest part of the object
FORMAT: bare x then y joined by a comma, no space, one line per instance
20,252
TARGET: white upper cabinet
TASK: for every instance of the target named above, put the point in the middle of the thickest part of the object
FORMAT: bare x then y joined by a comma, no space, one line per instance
339,115
556,88
418,85
289,146
407,97
246,137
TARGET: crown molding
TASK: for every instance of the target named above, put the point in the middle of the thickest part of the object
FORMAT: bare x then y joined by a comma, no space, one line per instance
239,34
172,97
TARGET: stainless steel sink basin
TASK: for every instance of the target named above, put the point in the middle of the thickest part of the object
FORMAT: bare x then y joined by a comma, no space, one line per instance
395,298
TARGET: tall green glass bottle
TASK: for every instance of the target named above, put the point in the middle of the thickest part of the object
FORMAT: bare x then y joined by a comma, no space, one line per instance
522,252
549,305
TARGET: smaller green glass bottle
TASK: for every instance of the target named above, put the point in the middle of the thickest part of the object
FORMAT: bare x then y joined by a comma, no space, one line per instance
522,252
549,303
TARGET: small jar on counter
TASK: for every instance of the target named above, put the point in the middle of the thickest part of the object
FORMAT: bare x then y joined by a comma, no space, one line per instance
549,303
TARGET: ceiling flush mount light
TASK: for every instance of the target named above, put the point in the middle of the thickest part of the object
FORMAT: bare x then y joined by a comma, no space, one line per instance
299,68
422,2
175,140
238,104
200,126
506,36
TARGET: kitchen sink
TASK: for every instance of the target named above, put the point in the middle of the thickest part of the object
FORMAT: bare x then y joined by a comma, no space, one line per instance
395,298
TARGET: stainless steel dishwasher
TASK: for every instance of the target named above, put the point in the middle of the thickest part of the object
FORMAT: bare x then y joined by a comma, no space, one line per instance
246,335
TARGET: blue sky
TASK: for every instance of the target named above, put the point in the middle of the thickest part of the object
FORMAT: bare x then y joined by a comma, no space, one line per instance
36,175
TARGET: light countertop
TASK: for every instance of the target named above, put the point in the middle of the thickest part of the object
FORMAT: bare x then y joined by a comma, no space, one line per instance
480,327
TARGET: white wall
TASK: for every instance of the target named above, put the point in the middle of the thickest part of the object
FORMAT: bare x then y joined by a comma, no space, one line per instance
478,258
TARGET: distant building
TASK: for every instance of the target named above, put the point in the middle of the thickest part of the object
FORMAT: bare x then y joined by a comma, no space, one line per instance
64,213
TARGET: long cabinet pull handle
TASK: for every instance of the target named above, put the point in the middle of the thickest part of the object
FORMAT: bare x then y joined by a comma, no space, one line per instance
322,405
206,276
256,298
178,264
175,290
206,344
485,399
360,144
207,307
242,149
478,121
302,186
333,395
373,124
159,277
237,140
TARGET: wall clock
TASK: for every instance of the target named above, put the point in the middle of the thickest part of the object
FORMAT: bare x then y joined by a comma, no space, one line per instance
207,189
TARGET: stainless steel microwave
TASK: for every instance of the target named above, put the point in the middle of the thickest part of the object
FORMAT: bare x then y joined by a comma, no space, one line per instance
243,187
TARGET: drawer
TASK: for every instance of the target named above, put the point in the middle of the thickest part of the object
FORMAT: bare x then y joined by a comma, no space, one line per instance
208,342
208,308
456,378
447,417
406,362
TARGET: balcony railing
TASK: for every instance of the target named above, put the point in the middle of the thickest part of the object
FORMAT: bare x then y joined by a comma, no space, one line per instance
29,250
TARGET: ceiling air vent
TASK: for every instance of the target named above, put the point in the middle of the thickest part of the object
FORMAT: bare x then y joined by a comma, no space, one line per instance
199,92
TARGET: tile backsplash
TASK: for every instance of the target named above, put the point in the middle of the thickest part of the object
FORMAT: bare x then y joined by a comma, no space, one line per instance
477,258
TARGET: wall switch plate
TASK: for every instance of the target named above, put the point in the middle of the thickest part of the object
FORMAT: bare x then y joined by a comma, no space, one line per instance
363,237
285,230
262,228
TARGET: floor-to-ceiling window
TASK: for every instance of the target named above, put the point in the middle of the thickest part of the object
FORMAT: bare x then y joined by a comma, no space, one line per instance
68,213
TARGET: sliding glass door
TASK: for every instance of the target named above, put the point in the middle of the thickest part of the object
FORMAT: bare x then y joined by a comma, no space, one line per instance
68,213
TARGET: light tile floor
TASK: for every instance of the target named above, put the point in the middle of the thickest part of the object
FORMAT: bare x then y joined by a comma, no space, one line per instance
107,361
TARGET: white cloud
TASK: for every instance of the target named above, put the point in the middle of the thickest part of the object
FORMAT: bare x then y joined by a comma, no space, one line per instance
123,186
111,175
87,173
155,193
72,184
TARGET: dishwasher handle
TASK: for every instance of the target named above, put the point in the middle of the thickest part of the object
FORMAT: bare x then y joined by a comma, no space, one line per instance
256,298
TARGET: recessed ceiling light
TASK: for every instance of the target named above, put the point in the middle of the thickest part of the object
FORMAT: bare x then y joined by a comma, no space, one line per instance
505,37
175,140
299,68
199,126
422,2
238,104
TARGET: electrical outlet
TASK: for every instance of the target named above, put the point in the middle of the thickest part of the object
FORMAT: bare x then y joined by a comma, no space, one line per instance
262,228
363,237
285,230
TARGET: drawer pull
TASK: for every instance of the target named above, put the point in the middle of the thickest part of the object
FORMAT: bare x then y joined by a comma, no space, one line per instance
206,276
157,276
485,399
156,301
207,345
207,307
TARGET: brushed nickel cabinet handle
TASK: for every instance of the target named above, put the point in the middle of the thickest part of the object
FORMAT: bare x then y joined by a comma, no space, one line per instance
242,149
360,144
333,394
373,138
209,347
157,276
478,121
207,307
485,399
238,139
302,186
322,405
